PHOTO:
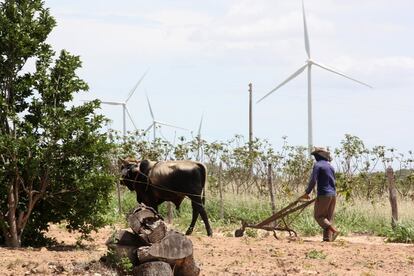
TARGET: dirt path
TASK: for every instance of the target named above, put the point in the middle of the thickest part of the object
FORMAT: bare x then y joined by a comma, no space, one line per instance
353,255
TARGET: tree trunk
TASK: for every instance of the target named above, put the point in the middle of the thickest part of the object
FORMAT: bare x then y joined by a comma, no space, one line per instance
12,236
392,196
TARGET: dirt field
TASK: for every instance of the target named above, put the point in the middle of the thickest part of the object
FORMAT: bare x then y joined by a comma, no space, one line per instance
353,255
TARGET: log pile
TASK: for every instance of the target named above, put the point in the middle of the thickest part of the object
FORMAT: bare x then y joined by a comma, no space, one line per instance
152,248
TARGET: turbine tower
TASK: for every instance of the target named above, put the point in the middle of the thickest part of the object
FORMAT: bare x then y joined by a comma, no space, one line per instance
156,123
198,157
124,105
308,65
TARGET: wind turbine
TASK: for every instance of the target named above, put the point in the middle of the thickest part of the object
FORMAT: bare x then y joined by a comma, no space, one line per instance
198,137
308,65
124,105
156,123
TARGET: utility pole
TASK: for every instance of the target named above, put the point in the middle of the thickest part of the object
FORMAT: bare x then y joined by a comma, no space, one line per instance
251,128
250,117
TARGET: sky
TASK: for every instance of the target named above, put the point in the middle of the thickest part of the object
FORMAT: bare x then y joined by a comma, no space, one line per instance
201,56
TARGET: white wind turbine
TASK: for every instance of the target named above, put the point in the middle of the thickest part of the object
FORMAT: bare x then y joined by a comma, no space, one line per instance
308,65
156,123
124,105
199,138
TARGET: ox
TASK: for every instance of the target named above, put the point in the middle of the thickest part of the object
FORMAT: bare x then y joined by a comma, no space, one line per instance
156,182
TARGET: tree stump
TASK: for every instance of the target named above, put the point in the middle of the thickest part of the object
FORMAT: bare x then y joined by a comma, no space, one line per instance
153,269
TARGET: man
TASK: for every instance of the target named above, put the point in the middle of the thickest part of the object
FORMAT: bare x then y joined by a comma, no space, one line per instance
323,175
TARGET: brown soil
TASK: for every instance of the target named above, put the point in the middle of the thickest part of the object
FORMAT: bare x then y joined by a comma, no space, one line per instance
220,255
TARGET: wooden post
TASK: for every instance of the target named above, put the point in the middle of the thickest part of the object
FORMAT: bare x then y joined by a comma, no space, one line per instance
221,191
392,196
270,184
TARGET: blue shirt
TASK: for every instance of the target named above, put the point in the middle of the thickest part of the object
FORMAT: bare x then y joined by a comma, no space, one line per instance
323,175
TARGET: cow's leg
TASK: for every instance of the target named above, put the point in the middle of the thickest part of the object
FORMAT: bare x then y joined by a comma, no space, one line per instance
198,205
195,216
203,215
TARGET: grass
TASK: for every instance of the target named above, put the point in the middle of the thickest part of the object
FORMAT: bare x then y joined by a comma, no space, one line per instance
357,216
316,254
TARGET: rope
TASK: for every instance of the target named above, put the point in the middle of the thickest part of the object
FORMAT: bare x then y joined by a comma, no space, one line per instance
147,183
161,188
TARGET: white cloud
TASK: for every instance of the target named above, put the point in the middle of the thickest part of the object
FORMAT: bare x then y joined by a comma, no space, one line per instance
376,65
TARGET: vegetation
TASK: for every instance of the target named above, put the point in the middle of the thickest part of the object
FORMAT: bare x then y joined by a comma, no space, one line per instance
360,172
54,162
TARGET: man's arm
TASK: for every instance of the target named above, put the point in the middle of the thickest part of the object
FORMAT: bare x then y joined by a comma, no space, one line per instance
312,180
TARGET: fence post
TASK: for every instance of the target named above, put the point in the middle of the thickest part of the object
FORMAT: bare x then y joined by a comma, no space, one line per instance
221,191
270,184
392,196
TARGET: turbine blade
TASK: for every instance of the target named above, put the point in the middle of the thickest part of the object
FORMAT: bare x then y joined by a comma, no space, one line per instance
199,127
305,27
150,108
169,125
112,103
145,131
338,73
135,87
130,117
294,75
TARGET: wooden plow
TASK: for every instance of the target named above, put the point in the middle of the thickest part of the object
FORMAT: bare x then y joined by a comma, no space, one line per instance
279,220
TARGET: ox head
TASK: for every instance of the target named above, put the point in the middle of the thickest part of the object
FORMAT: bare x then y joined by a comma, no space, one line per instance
129,169
134,175
134,172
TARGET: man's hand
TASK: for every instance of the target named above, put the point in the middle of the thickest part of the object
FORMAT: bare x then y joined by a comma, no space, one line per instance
304,197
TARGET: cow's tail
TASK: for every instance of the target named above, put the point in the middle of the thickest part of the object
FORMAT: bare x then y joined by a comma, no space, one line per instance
203,172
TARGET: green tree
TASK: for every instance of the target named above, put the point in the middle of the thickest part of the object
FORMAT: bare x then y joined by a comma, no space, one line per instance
53,159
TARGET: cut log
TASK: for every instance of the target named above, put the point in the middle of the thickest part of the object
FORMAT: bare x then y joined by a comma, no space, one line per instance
187,267
153,269
123,244
120,252
139,215
124,237
144,255
146,223
175,249
174,246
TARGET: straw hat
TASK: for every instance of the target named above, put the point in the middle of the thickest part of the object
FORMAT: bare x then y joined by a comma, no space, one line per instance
322,152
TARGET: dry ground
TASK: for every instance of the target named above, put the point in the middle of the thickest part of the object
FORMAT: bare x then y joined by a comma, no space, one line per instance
220,255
